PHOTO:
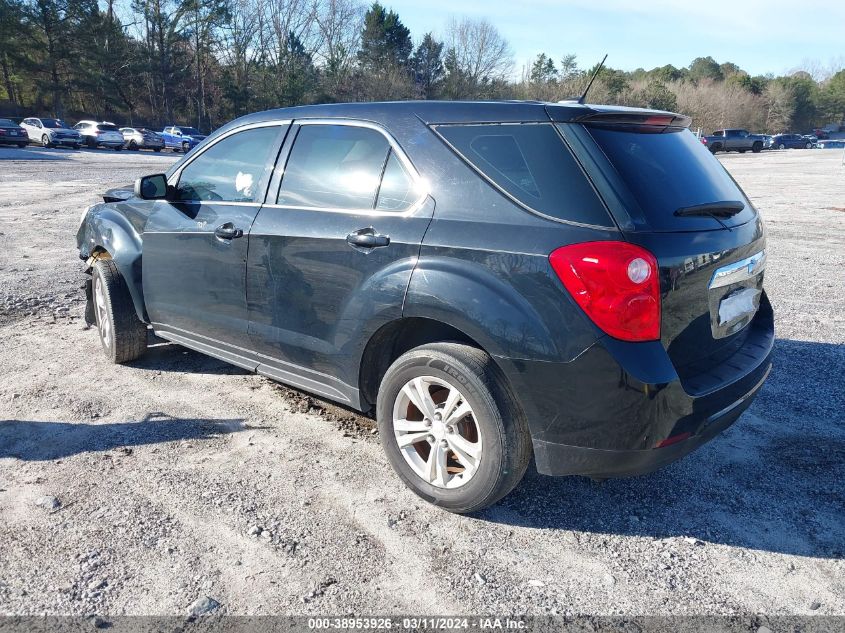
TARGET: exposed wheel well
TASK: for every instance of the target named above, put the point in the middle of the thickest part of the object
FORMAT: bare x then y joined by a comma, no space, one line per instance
393,340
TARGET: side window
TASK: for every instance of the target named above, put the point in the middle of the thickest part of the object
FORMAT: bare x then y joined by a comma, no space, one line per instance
532,164
397,191
335,167
231,170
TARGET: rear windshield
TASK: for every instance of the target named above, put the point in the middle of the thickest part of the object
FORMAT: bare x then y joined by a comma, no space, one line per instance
53,123
531,163
8,123
669,171
103,127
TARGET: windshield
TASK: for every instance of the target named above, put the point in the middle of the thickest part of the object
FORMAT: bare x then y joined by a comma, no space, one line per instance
669,171
192,131
53,123
8,123
107,128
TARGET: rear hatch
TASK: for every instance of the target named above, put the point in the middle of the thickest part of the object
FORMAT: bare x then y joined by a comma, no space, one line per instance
671,196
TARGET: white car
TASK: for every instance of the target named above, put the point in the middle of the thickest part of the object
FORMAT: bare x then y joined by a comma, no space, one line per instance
51,132
100,133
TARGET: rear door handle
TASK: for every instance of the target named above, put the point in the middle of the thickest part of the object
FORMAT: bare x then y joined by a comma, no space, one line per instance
367,238
228,232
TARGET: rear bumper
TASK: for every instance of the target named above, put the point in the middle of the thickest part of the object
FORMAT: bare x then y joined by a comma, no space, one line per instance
560,459
622,409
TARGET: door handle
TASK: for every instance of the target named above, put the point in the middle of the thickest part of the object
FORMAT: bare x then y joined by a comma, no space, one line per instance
228,232
367,238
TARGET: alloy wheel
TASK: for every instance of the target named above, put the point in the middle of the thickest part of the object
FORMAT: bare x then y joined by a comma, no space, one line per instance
102,313
437,432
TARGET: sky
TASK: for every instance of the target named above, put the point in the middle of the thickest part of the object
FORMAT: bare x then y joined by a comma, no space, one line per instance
760,36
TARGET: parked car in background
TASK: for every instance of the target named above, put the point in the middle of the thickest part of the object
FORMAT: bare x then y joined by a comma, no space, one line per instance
821,134
812,138
832,143
141,138
12,134
100,133
734,140
495,280
790,141
181,138
51,132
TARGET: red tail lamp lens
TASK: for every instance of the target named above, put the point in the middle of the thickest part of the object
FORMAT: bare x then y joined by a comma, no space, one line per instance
616,284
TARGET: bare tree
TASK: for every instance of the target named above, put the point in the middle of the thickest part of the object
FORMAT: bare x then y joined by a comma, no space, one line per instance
339,23
478,57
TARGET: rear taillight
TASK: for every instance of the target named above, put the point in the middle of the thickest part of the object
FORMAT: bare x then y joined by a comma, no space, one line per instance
616,284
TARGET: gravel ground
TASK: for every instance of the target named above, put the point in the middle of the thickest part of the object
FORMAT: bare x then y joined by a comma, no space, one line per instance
144,489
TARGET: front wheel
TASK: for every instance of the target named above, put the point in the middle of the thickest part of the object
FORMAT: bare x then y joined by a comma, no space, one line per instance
185,148
757,147
122,334
21,145
45,141
781,146
808,145
157,150
133,146
450,427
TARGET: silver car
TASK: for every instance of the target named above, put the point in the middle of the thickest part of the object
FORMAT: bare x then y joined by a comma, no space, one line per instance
142,138
51,132
100,133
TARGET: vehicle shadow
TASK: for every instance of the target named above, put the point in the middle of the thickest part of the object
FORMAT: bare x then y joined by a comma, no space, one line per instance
162,355
40,441
775,481
34,152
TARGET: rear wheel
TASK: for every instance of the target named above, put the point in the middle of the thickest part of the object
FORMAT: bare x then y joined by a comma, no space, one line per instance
450,428
757,147
156,149
185,148
91,142
742,151
781,146
808,145
21,145
133,146
122,334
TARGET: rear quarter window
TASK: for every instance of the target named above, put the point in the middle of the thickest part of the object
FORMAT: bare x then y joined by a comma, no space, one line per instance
532,165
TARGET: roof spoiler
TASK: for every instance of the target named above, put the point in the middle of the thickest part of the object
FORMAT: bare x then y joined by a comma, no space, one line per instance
654,121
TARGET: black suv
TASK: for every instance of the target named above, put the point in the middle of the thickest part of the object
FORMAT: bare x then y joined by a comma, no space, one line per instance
493,280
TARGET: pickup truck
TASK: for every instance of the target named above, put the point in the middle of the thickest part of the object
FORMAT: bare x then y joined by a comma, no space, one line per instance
735,140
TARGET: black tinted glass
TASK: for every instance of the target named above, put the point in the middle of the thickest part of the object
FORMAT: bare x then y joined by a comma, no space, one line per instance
53,123
532,164
669,171
397,191
334,166
231,170
8,123
104,127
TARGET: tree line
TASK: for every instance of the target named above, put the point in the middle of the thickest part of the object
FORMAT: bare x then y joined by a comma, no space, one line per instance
204,62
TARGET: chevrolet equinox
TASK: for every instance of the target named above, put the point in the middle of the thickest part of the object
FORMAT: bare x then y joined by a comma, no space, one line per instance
494,281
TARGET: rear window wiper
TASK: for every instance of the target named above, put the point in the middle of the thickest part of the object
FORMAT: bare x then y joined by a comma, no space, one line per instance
726,209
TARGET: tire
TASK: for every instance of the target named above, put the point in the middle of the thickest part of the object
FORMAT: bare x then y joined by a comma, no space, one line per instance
118,148
742,151
156,149
185,148
808,145
91,143
781,146
757,147
77,146
122,334
22,145
45,141
715,148
133,146
494,427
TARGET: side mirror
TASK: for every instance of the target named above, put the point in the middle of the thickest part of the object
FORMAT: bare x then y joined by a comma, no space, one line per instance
151,187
